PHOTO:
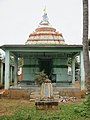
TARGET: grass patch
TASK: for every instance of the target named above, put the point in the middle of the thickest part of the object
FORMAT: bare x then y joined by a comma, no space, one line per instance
25,110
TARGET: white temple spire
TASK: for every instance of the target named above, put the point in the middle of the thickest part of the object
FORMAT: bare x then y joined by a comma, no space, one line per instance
45,19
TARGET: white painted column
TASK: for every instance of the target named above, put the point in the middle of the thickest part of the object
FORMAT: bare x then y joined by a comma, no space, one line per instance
82,72
7,69
73,71
1,72
16,71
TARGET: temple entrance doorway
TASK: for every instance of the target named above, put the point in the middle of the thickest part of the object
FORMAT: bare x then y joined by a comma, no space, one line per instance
45,64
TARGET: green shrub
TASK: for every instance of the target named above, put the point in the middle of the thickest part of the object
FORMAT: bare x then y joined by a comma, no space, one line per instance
84,109
40,77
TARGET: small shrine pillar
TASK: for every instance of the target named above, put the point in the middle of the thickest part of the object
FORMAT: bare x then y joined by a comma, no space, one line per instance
46,89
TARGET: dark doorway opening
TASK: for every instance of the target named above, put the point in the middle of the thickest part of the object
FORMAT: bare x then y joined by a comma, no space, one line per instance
46,66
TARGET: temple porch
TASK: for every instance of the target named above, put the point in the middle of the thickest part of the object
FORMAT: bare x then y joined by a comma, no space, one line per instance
52,59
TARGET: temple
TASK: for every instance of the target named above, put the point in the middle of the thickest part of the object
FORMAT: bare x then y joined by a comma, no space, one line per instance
45,50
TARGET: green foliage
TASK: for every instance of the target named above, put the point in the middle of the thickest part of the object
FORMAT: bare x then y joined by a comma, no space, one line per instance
84,109
40,77
80,111
64,112
87,105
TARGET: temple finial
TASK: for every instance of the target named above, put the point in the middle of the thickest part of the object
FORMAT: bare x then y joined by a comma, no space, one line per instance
45,20
44,10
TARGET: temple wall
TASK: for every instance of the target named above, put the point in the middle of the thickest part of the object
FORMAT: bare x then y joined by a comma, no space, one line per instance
60,69
30,68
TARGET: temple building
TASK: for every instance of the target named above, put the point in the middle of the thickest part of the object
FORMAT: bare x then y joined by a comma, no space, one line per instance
45,50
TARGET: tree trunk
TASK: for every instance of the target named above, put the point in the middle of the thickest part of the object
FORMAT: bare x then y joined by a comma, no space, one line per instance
86,45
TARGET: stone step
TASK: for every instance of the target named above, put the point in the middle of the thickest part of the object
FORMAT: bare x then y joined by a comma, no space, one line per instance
33,93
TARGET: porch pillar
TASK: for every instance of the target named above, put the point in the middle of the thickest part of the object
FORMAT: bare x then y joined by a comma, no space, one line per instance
82,72
73,71
1,72
16,71
7,69
11,74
